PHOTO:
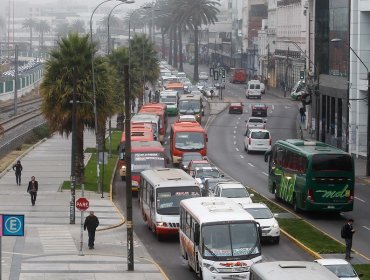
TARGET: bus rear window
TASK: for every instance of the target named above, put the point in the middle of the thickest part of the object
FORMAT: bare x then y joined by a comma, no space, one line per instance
330,163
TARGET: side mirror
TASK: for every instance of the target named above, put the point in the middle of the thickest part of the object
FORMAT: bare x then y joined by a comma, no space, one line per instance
276,215
251,194
196,234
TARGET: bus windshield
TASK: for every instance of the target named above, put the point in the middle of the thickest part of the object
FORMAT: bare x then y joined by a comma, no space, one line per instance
189,140
231,241
171,100
144,161
168,199
189,106
331,163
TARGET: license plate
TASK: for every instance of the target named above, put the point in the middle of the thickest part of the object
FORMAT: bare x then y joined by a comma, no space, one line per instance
331,207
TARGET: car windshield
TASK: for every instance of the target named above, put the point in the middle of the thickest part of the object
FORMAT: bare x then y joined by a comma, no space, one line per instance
168,199
234,192
189,106
260,213
331,163
342,270
144,161
168,99
207,173
189,140
231,241
255,121
260,135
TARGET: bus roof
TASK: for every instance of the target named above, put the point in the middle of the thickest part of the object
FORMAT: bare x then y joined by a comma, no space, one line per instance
292,270
145,118
174,85
154,105
190,97
138,136
309,147
180,126
169,177
215,209
147,146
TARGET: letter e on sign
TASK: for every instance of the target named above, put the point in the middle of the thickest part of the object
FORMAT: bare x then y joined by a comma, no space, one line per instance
82,204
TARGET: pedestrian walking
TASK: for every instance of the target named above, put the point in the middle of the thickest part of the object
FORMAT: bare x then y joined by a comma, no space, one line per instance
347,233
33,187
133,105
18,172
302,112
91,223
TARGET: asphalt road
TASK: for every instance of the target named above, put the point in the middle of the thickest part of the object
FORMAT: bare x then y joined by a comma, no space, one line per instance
167,253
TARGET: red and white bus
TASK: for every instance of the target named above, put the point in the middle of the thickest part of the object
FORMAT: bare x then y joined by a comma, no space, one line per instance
161,192
159,109
135,136
151,119
187,137
146,155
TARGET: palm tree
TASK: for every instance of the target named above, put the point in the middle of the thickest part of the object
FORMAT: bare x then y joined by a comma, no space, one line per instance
71,60
42,27
78,26
197,12
29,23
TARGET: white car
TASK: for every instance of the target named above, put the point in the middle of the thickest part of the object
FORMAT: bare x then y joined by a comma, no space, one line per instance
233,190
341,268
203,173
258,140
263,215
211,92
253,89
254,122
203,76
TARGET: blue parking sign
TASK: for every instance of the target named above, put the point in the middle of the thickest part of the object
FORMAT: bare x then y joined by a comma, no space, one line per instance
13,225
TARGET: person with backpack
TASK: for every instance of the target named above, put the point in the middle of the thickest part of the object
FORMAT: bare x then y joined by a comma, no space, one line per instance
347,233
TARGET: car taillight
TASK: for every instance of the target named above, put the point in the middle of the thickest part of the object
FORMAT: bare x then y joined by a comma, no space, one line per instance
250,141
310,195
351,196
270,142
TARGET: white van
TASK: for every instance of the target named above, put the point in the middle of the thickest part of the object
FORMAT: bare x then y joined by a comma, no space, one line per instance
253,89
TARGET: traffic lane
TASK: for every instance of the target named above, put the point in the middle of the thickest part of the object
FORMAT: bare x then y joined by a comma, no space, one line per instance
224,155
165,253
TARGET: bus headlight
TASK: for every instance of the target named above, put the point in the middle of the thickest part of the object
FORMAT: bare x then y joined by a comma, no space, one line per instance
211,268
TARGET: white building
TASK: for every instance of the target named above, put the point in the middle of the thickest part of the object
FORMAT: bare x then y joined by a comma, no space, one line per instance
358,92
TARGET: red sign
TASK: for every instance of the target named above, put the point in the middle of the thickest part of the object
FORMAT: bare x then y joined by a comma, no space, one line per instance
82,204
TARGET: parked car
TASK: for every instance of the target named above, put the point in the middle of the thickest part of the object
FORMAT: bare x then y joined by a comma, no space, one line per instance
254,122
257,140
187,157
233,190
270,229
259,110
253,89
210,185
341,268
236,107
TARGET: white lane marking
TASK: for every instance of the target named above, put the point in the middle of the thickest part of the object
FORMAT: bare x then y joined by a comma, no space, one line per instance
235,127
359,199
239,118
264,173
234,131
241,156
237,123
234,136
250,164
366,228
234,142
237,149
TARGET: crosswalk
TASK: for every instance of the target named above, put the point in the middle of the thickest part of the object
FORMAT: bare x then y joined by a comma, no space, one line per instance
56,239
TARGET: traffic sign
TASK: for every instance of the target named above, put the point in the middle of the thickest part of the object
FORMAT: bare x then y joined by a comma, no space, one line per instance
82,204
12,225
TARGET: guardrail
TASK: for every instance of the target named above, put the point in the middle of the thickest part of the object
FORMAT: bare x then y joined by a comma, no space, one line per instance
17,141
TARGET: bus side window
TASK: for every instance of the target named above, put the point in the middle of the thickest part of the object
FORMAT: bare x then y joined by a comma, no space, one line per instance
188,226
196,233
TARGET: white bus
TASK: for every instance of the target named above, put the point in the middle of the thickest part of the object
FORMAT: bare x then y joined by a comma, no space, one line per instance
161,191
170,98
148,118
218,238
290,270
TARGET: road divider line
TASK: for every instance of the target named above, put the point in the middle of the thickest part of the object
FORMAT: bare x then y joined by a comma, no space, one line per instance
359,199
241,156
237,149
237,123
250,164
234,136
234,131
234,142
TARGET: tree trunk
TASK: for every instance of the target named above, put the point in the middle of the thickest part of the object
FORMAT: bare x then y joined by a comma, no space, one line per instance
181,68
80,166
196,54
163,44
170,49
175,47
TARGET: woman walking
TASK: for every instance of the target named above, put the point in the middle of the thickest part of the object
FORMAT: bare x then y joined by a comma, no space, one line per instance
18,172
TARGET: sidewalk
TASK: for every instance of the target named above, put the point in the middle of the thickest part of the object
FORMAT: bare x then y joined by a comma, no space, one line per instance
50,247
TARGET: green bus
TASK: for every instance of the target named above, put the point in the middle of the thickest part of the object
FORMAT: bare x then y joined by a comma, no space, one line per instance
311,175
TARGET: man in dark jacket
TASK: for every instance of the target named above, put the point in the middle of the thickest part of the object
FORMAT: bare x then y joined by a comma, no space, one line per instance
347,234
32,189
91,223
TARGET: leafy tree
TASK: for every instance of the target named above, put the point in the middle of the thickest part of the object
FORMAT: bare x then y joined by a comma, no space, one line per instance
42,27
71,61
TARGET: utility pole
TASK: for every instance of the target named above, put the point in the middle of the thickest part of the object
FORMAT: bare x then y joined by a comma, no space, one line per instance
15,78
286,71
129,222
368,126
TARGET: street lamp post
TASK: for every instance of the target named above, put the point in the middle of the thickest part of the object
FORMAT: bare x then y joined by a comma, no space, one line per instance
94,93
368,105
